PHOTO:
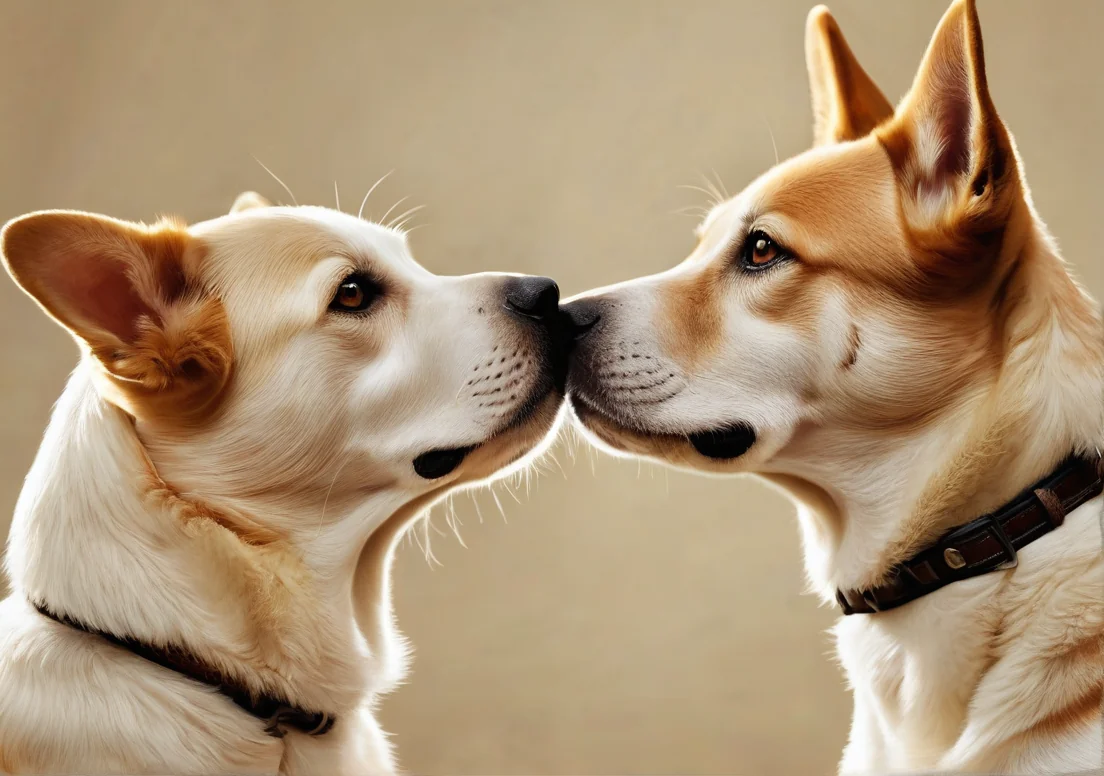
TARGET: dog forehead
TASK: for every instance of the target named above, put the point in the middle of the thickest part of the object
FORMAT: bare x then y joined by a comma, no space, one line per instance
829,203
293,240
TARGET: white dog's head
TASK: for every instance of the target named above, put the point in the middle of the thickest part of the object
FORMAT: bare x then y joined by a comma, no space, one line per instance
295,367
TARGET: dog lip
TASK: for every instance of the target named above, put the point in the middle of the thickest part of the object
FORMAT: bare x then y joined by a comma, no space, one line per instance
725,442
442,461
437,463
721,443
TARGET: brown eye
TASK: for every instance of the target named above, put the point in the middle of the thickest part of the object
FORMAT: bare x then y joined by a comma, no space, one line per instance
760,250
355,294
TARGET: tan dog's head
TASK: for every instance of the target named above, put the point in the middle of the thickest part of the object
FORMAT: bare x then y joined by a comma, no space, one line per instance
861,285
295,365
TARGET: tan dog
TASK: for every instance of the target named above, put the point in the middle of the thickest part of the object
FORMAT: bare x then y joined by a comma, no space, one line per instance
264,402
883,328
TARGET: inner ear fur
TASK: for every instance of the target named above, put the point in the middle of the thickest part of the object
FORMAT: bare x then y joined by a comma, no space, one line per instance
952,155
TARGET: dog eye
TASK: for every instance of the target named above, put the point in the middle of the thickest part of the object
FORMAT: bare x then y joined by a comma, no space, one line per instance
760,251
354,295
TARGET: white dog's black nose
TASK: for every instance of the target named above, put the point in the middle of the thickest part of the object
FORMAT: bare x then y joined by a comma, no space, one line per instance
533,297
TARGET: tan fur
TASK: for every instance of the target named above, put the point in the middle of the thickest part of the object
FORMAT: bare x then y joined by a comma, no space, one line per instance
923,357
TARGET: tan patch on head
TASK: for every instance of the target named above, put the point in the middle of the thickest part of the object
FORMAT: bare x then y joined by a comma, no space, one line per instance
691,316
132,296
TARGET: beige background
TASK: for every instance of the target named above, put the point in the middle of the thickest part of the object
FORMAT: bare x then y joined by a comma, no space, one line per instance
626,619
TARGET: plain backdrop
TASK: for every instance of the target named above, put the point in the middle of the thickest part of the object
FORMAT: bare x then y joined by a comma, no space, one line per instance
621,618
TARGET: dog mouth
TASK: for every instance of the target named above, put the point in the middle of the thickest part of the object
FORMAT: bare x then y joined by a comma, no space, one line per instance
442,461
722,443
558,341
437,463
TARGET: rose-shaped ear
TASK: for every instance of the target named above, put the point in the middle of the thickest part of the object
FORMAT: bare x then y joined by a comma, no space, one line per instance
129,294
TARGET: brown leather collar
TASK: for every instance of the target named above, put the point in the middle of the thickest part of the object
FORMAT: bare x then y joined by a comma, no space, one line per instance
988,543
275,712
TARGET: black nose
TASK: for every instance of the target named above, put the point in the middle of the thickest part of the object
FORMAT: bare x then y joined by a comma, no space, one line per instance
583,314
533,297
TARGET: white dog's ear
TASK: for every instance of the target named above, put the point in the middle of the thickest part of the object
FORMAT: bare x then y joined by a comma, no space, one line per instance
130,294
847,104
248,200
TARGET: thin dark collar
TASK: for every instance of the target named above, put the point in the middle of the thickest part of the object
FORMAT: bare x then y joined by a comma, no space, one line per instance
989,543
275,712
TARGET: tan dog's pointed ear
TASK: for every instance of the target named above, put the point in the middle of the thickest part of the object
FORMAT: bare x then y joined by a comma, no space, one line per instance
952,155
248,200
847,104
130,295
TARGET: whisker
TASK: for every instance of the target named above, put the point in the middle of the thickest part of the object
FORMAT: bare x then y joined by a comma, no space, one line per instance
724,189
403,216
713,190
498,504
382,178
455,522
774,145
475,500
430,557
711,194
337,198
391,210
277,179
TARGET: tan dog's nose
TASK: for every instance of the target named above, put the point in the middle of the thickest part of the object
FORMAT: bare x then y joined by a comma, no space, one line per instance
584,315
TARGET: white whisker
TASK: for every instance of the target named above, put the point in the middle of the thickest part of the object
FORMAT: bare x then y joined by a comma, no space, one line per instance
475,500
774,145
397,221
713,190
498,504
277,179
711,194
360,211
391,210
337,198
724,189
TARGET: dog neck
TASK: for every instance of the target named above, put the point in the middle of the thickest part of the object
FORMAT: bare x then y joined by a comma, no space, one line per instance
868,502
99,537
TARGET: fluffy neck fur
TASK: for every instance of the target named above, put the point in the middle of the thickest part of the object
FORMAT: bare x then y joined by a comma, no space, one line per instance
98,536
866,502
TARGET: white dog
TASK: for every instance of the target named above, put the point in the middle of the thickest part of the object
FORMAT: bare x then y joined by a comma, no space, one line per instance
883,328
200,555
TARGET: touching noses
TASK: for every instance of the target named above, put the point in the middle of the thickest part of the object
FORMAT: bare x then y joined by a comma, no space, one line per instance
533,297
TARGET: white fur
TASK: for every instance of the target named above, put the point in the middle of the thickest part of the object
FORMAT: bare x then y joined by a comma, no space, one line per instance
314,442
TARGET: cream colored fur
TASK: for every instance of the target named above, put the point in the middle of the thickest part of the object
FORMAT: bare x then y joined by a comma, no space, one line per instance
904,372
258,533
